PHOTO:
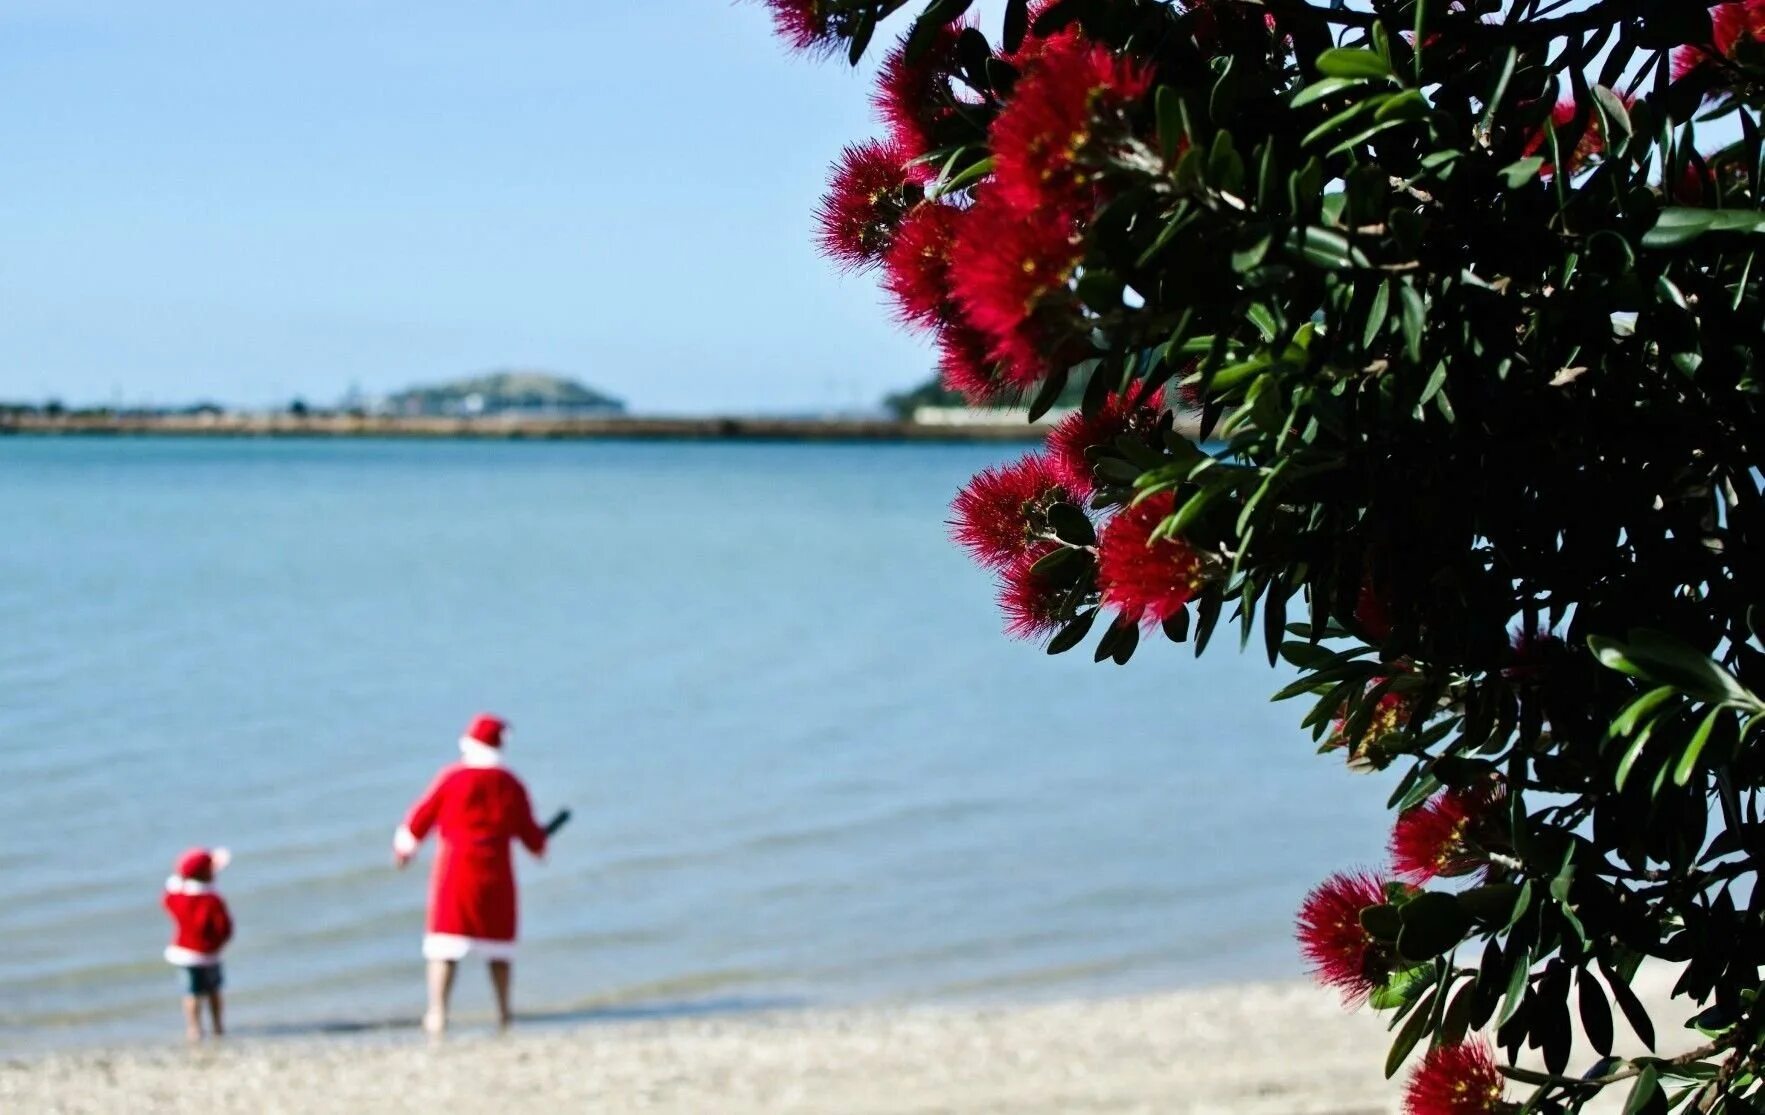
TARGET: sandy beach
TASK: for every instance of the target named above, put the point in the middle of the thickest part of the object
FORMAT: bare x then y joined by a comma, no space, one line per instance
1261,1048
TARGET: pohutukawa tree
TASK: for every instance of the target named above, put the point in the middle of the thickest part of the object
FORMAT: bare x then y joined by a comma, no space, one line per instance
1459,303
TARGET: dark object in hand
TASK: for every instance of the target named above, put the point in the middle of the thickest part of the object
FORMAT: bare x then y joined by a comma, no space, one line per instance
557,822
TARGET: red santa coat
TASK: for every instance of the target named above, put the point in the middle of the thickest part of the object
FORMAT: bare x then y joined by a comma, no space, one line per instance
476,807
201,924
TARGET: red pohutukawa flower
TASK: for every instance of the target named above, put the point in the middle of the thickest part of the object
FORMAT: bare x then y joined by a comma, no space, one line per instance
868,196
1456,1080
1732,26
1034,46
1146,580
1033,603
1389,716
966,364
1337,947
1010,276
916,268
1444,835
1042,138
999,515
1591,143
913,96
1533,655
1078,433
1370,611
812,26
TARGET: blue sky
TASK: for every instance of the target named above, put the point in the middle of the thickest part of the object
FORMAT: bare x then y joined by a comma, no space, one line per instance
255,201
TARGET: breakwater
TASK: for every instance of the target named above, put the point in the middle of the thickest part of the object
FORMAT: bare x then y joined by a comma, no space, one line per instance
501,428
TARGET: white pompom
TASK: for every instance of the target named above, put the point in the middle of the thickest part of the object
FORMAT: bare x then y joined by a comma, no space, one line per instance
220,857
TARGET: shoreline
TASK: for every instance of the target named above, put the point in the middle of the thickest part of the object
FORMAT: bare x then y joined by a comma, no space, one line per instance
710,428
715,428
1255,1048
1251,1049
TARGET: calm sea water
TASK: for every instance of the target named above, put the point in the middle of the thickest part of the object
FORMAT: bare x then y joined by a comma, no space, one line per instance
805,765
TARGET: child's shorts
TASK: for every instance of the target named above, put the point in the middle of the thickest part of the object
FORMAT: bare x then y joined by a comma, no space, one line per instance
204,979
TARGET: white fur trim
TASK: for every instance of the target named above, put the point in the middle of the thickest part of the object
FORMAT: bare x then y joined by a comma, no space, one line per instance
404,842
177,884
475,754
452,946
190,958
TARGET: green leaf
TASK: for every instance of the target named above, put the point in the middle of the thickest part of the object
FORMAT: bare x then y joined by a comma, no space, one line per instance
1491,903
1329,86
1171,132
1073,633
1680,225
1414,1027
1346,63
1402,988
1017,23
1646,1095
1049,394
1638,710
1596,1013
1415,319
1517,174
1433,923
1688,759
1518,977
1407,105
1384,922
1072,525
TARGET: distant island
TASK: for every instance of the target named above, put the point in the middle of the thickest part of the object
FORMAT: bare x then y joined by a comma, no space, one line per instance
513,393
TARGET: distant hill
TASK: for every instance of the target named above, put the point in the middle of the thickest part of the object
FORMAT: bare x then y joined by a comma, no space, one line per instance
932,393
511,391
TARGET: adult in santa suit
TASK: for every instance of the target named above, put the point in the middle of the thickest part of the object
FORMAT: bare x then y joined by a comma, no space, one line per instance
477,807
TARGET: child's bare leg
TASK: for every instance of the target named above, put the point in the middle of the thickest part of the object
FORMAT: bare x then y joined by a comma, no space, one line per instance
501,972
214,1013
192,1018
441,983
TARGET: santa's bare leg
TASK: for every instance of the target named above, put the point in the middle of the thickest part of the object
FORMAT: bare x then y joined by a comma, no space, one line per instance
214,1013
501,972
441,985
192,1018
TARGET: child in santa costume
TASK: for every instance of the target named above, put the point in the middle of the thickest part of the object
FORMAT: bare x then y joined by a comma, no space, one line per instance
201,928
476,806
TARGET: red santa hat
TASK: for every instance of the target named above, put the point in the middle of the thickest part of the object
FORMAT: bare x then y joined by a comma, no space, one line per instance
200,864
481,745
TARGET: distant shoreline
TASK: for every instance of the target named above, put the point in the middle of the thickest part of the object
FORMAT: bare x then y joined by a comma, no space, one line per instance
511,429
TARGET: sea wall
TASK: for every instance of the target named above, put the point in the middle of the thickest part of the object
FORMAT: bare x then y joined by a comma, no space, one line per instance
344,425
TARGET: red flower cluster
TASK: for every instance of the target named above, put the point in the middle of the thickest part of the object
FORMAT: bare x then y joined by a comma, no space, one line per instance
1389,716
916,268
1010,274
1340,951
1370,611
1732,26
1591,143
1031,601
913,96
1034,46
1146,580
1444,835
1456,1080
868,197
1073,436
966,364
811,26
1000,514
1040,137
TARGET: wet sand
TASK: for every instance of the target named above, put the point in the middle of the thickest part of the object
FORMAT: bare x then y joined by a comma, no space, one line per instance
1258,1049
